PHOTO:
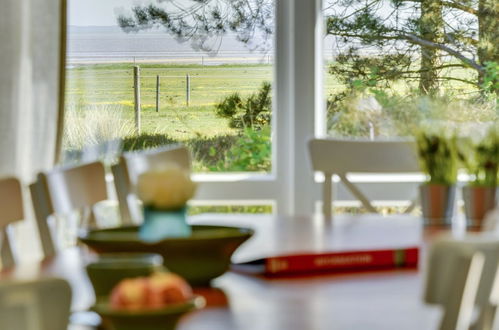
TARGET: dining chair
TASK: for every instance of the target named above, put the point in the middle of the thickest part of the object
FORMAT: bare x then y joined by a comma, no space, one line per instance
462,277
340,157
65,190
11,205
42,304
132,164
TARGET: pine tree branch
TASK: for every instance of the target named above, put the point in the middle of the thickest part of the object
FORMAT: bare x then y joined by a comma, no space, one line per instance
460,6
418,41
469,82
453,4
425,43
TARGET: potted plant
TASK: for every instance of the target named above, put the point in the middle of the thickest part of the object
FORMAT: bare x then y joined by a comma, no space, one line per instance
481,160
438,156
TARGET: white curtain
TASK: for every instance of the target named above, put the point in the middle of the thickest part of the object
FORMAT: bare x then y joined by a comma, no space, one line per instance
30,65
30,60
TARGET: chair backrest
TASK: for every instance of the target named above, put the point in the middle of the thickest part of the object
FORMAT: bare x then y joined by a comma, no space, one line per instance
35,305
64,190
333,156
462,276
11,206
132,164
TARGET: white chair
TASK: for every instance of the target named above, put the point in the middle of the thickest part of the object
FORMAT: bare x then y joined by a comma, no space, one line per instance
462,276
11,206
64,190
340,157
132,164
35,305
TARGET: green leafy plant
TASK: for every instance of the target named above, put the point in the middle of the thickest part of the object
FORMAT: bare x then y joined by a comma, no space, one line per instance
491,77
481,159
251,112
438,156
251,152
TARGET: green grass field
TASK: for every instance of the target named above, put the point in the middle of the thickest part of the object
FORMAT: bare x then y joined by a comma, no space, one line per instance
97,86
104,85
107,89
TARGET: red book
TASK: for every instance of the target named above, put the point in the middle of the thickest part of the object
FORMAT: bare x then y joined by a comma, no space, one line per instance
348,243
332,261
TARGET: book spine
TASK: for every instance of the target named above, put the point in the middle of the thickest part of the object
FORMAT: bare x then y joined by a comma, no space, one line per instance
342,261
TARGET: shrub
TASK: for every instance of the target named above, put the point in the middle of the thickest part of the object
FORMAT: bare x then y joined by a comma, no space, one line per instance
94,125
251,112
209,151
146,141
206,151
251,152
392,114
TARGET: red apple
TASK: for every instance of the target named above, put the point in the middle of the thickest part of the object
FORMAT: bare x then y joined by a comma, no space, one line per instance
166,289
157,291
130,294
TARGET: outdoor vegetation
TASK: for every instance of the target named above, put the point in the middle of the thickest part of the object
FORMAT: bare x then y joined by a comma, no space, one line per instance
399,64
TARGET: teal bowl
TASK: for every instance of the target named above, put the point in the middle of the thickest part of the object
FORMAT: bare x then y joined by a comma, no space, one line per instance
155,319
109,269
199,258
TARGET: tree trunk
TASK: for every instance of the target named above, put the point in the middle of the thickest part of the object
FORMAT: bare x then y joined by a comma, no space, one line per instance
431,27
488,32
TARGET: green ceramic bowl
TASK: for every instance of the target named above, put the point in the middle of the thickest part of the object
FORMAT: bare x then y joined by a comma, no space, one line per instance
156,319
110,269
199,258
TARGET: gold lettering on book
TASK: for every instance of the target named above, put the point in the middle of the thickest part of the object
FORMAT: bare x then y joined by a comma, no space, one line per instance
277,265
343,260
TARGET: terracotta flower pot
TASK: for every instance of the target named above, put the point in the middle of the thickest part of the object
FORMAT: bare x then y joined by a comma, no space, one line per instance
437,203
477,202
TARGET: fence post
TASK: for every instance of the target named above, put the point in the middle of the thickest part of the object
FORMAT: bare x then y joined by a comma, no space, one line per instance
187,89
157,93
136,89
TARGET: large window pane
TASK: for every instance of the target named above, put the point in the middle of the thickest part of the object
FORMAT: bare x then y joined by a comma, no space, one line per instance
394,66
214,74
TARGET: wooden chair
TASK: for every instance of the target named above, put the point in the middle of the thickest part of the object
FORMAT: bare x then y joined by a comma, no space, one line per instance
462,276
64,190
340,157
131,165
35,305
11,206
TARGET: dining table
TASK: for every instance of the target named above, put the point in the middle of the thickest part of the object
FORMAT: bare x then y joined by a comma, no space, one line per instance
364,299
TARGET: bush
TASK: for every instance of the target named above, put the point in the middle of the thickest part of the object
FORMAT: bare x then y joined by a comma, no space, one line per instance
389,114
146,141
251,152
208,152
252,112
91,125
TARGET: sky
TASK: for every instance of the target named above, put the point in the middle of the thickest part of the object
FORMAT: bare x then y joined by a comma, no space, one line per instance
97,12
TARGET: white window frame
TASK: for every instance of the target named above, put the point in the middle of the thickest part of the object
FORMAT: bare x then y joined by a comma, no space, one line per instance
299,113
298,110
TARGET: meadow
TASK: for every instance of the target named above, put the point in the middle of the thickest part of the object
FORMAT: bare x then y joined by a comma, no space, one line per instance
100,107
110,86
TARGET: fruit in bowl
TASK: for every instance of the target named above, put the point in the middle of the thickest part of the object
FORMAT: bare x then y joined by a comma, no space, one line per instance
156,302
157,291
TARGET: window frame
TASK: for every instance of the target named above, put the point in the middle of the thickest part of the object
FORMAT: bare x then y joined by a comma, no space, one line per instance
298,114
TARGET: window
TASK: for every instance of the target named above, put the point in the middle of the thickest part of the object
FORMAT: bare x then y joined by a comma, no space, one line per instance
203,78
392,67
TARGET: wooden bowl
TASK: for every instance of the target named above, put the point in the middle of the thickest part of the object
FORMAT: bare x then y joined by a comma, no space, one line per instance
109,269
154,319
199,258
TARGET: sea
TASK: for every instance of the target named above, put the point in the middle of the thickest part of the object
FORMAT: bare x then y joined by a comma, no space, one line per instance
110,44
